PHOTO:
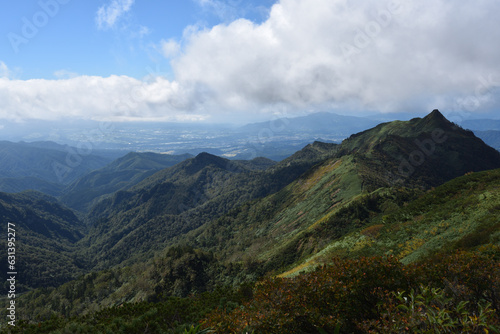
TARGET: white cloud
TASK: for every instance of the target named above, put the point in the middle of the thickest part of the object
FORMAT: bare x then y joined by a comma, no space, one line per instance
107,16
170,48
90,97
386,55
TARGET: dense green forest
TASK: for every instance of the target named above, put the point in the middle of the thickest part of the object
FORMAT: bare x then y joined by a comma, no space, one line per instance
120,174
47,235
361,237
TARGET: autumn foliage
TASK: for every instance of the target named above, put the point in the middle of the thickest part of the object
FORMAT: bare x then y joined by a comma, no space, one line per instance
447,293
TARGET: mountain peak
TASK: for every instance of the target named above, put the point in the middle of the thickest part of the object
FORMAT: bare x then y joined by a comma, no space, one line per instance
435,114
204,156
205,159
435,120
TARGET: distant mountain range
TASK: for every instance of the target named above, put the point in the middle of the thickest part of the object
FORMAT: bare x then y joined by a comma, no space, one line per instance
46,166
320,123
490,137
481,124
51,168
120,174
147,226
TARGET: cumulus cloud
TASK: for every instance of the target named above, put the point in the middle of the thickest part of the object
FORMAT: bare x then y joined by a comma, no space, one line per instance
91,97
170,48
385,55
107,16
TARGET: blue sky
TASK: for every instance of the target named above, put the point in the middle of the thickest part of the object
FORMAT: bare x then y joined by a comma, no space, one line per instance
74,37
236,60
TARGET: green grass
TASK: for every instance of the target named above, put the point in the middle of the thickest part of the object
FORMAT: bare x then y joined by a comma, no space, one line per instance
462,214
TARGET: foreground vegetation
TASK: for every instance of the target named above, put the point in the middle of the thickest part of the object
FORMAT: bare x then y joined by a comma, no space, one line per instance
446,293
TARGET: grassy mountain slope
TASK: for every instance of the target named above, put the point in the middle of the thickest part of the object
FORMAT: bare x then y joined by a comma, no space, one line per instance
120,174
256,227
460,214
46,235
214,194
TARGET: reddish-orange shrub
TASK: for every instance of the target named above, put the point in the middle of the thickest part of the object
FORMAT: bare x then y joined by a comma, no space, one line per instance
350,292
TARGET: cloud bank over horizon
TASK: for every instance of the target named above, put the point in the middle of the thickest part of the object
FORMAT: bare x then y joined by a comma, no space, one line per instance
309,55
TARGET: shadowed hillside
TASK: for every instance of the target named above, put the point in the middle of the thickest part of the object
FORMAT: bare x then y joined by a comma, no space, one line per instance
46,235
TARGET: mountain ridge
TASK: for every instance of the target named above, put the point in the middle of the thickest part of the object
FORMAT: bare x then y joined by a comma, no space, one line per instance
209,221
318,122
118,175
183,197
329,192
431,150
199,190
